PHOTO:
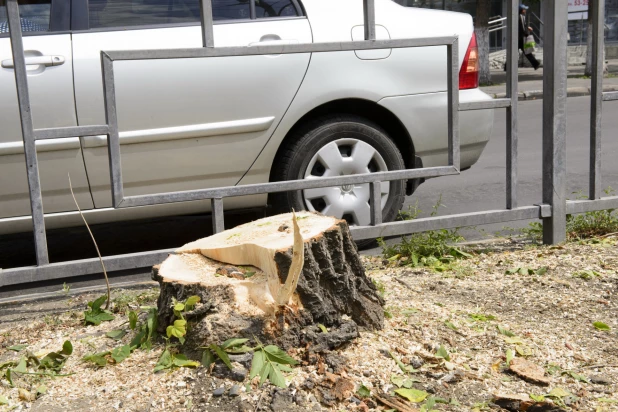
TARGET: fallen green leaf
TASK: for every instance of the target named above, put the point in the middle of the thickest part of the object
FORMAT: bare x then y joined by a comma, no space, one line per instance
322,328
222,355
505,332
181,360
277,355
537,398
509,356
231,343
601,326
17,348
523,351
413,395
443,353
4,400
121,353
276,377
165,361
207,358
257,363
363,392
450,325
558,393
132,320
116,334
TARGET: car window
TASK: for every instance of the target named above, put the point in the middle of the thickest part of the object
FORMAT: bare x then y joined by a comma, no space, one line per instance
34,16
275,8
121,13
231,9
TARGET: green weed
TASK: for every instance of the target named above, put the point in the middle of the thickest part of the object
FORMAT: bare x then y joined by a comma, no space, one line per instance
434,248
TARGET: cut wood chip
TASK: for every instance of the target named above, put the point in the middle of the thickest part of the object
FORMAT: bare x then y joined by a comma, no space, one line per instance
393,402
529,371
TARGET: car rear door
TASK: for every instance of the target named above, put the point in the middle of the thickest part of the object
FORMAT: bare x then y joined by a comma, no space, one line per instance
51,96
185,123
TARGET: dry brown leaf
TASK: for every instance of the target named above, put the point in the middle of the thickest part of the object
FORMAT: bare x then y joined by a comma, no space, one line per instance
529,371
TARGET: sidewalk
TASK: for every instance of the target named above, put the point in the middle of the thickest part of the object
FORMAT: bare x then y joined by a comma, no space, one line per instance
531,82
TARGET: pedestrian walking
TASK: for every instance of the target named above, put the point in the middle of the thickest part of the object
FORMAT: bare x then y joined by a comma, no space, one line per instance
524,32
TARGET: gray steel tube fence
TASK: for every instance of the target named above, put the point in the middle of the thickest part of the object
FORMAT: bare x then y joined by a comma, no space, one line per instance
552,210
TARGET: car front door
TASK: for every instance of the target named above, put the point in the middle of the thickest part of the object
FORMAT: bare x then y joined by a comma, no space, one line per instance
185,123
50,81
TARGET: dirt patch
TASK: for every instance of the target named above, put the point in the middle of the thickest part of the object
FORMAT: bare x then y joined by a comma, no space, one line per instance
452,333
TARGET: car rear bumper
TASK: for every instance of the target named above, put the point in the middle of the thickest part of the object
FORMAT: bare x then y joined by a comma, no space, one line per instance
425,118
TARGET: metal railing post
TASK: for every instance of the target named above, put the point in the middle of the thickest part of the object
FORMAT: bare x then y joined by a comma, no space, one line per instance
208,39
512,59
218,223
596,97
27,130
375,200
554,119
369,14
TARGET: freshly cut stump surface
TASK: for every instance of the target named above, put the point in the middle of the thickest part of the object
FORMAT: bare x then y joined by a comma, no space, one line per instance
240,274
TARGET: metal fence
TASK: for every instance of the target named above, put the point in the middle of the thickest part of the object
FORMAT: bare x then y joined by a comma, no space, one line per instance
552,208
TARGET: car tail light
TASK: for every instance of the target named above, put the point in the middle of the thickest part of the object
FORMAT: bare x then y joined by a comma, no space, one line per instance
469,73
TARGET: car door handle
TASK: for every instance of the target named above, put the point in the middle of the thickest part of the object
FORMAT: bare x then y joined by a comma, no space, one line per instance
36,61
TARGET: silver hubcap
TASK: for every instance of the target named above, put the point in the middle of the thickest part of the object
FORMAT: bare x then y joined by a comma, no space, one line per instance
351,202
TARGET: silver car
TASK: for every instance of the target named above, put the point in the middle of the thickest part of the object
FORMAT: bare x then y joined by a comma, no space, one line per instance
199,123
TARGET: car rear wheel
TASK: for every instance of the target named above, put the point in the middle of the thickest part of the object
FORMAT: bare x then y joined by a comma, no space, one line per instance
338,146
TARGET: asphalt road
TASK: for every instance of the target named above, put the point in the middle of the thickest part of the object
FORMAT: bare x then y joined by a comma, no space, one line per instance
483,186
480,188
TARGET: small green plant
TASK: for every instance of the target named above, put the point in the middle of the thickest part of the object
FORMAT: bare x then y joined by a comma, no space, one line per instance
527,271
269,362
586,274
434,248
481,317
170,359
179,328
29,365
582,226
124,301
235,345
146,332
66,288
95,315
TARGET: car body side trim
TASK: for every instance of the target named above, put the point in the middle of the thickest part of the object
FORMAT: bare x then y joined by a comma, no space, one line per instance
48,145
185,132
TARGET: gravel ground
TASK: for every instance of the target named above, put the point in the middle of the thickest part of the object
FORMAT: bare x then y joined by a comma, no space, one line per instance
450,330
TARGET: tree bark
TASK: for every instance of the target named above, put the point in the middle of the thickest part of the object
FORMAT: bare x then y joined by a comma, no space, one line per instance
332,286
481,29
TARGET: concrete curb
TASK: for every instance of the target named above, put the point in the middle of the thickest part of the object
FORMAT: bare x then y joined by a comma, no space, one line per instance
538,94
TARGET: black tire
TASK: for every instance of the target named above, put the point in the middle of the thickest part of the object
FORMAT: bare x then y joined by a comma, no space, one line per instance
296,154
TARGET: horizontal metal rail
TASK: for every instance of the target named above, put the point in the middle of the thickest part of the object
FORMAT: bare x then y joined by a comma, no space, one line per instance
489,104
583,206
72,131
155,54
274,187
446,222
610,96
83,267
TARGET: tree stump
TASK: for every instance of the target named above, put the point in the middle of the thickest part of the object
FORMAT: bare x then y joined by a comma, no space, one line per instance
241,277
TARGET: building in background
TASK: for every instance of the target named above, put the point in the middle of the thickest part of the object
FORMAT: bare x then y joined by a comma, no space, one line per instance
578,24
